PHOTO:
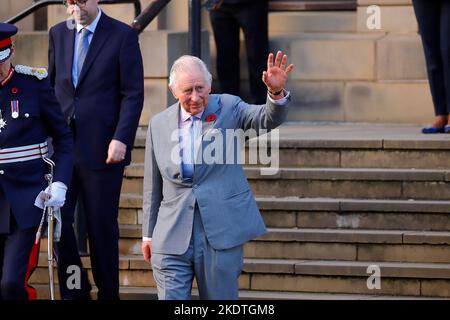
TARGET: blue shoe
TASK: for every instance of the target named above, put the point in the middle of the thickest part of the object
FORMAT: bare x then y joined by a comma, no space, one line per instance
434,130
447,128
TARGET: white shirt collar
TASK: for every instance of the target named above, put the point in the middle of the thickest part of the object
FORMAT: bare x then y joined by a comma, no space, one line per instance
93,24
186,115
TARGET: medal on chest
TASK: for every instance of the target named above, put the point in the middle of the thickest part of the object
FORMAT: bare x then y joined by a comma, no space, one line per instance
14,109
14,103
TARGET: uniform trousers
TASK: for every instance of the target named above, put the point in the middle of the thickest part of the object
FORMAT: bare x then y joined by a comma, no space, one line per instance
18,259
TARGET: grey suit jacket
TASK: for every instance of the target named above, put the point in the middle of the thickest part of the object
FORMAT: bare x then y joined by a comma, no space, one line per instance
227,207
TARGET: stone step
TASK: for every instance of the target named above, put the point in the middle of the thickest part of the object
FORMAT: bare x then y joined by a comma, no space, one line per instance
305,267
314,21
141,293
334,204
312,145
130,216
333,182
279,276
292,212
332,244
130,201
136,170
331,235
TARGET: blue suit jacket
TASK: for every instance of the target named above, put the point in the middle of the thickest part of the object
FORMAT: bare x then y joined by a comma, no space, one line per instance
229,212
39,117
109,96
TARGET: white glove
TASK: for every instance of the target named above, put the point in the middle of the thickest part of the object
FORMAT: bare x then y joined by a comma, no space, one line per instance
56,199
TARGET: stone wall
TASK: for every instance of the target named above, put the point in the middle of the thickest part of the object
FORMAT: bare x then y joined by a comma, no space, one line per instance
344,71
10,8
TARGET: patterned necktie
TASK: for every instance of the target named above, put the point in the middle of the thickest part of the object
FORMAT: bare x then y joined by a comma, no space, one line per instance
83,46
189,149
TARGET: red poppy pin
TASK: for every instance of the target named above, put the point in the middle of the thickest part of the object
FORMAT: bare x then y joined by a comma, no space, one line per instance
14,90
210,118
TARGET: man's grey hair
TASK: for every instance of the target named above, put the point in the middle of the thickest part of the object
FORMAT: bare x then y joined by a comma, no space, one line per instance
185,64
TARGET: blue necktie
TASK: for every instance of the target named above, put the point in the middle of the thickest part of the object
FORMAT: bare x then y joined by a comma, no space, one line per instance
83,46
188,156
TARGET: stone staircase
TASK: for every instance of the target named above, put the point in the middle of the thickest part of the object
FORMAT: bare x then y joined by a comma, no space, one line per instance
346,197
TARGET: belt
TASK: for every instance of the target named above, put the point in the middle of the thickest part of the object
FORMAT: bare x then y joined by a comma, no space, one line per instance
24,153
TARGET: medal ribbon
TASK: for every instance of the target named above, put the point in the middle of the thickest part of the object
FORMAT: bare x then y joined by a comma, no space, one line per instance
14,108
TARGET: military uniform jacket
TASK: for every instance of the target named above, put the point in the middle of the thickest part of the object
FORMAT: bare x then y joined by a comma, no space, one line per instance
39,117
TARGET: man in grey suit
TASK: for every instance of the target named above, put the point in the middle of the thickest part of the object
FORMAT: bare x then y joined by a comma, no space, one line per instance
198,214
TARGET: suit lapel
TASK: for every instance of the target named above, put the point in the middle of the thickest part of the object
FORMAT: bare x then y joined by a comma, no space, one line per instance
69,41
101,34
209,117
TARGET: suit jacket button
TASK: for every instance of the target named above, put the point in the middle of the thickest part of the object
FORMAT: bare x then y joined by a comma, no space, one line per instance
2,172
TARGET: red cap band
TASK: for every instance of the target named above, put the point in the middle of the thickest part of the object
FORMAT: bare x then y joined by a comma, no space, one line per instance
5,42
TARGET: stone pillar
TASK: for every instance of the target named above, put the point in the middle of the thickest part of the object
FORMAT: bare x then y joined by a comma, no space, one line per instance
174,16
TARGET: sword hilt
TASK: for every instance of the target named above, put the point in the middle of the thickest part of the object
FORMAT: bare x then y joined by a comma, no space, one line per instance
49,176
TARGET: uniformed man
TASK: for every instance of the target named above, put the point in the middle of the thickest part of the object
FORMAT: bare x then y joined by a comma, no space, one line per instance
29,114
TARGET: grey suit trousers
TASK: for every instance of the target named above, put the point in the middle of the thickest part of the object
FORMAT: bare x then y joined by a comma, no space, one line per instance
216,271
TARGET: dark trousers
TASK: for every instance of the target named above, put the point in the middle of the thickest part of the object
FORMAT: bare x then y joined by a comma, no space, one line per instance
100,193
18,259
433,18
226,23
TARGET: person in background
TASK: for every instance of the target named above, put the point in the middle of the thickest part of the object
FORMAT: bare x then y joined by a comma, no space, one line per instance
228,17
29,114
433,18
95,66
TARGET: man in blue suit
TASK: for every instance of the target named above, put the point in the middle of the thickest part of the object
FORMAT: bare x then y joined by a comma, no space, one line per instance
95,66
198,214
29,114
